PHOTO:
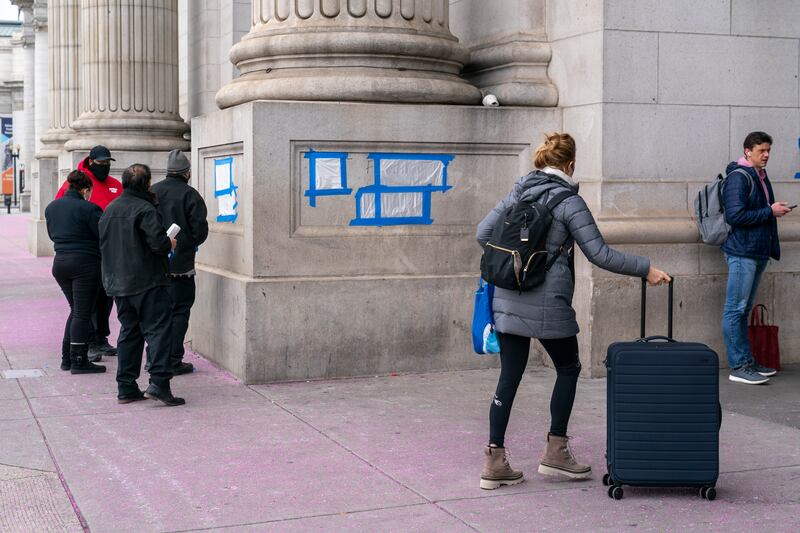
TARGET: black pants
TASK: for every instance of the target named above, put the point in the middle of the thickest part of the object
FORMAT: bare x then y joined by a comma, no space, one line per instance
78,275
99,328
513,359
144,317
182,290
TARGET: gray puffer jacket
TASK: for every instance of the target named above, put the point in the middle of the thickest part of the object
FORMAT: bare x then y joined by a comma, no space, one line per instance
546,311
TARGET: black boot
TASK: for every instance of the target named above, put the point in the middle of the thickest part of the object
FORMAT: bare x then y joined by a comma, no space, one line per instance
163,394
78,354
66,363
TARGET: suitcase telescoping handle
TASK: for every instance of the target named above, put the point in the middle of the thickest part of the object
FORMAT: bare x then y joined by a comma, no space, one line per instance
669,314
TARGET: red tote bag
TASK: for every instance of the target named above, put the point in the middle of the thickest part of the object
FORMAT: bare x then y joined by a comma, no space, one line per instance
764,338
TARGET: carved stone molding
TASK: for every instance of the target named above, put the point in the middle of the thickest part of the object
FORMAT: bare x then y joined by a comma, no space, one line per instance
515,70
129,84
349,50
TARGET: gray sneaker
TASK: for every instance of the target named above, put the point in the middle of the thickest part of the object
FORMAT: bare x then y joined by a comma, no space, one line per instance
746,374
763,370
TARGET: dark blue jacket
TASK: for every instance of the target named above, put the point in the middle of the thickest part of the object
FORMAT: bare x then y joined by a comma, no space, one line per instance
72,224
754,229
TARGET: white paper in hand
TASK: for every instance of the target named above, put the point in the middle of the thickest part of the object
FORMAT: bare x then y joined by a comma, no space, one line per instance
173,230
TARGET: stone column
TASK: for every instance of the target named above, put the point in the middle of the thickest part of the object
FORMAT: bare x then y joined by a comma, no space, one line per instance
44,169
63,49
510,52
351,50
129,82
26,141
41,74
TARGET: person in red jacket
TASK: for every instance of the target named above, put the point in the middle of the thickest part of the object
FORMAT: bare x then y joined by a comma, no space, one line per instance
105,189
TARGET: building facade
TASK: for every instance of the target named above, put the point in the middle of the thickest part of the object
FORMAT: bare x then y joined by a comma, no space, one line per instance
346,158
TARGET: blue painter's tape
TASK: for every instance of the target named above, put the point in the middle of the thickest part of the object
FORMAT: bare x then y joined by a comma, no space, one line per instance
797,176
444,158
227,218
220,163
399,221
377,190
312,191
328,192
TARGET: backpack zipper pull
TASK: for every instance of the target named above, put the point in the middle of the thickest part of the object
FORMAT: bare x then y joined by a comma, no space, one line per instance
525,232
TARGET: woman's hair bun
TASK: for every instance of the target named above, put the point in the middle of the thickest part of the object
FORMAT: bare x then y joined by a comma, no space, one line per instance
79,181
557,151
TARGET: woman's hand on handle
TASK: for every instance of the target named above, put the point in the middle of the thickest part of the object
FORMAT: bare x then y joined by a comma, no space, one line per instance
657,277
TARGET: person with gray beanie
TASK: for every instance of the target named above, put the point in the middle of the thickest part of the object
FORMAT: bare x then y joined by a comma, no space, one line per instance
181,204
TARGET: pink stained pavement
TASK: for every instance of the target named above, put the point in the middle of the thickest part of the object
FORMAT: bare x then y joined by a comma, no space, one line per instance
389,453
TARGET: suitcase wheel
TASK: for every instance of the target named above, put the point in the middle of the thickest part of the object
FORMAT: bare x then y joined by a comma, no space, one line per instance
607,481
615,492
708,493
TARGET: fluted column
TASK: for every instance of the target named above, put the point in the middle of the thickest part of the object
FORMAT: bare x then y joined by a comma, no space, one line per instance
63,49
26,40
40,92
349,50
129,81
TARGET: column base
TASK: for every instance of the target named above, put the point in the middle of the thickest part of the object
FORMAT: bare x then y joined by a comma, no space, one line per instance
146,133
39,243
330,330
25,202
298,287
349,85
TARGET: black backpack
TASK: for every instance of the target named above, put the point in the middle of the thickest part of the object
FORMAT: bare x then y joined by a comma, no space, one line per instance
515,257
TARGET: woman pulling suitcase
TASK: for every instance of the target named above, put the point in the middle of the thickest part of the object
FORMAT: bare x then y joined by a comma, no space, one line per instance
545,312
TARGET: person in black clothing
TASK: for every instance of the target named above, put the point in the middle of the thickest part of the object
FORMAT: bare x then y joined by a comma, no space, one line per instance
72,224
134,246
180,204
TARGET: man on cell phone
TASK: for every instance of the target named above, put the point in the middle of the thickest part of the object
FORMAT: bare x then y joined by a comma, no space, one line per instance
752,213
180,204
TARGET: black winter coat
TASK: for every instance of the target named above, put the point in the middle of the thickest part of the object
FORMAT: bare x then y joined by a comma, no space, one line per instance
72,225
180,204
134,245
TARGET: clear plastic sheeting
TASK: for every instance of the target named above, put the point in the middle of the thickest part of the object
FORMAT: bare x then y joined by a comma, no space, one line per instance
401,204
411,172
328,173
226,205
368,205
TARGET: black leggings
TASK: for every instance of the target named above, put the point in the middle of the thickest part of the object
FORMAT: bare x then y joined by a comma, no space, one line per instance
513,359
78,275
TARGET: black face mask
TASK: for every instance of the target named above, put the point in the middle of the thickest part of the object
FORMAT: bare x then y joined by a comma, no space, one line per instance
100,171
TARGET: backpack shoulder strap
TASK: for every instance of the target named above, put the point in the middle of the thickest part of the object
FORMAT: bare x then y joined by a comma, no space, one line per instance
551,204
747,175
557,199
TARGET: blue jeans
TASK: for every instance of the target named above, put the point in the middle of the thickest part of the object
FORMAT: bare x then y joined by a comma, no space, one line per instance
744,274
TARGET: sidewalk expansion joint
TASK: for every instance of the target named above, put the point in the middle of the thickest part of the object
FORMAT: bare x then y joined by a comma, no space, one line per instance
59,473
364,460
296,518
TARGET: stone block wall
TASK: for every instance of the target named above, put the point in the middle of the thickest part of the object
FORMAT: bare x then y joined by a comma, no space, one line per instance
660,96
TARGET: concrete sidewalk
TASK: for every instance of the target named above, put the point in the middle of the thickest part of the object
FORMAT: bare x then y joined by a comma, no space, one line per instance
399,453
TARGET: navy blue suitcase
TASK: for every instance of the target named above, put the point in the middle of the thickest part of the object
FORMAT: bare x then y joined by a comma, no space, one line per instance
663,413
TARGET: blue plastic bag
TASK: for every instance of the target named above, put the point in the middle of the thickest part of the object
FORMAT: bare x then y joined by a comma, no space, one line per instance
484,336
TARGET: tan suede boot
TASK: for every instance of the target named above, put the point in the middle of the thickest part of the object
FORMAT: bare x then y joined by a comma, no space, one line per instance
496,470
558,459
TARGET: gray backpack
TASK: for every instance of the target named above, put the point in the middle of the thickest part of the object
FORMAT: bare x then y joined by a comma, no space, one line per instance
709,211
